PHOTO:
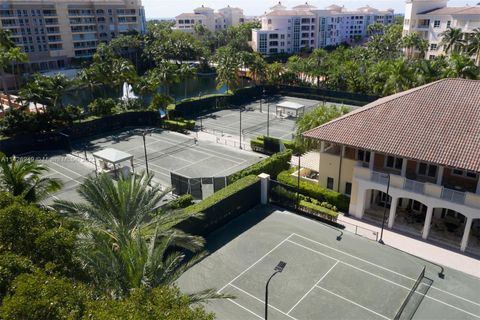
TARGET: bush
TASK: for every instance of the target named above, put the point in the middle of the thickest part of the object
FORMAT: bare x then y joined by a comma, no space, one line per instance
222,194
315,191
180,202
272,166
318,210
258,144
179,124
102,107
39,296
12,265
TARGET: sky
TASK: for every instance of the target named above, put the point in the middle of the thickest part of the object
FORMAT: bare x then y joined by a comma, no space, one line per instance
172,8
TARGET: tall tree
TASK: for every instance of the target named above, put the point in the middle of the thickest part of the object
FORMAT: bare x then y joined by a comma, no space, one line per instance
227,60
452,40
473,45
461,66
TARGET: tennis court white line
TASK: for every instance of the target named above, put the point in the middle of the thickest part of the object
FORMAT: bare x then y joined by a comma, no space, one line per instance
258,299
266,254
387,280
386,269
352,302
62,174
311,289
75,173
248,310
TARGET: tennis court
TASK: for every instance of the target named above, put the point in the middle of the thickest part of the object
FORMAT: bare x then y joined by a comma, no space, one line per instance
329,274
172,152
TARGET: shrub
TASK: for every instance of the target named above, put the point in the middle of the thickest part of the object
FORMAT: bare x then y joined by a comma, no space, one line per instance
258,144
272,166
102,107
179,124
12,265
222,194
315,191
39,296
318,210
180,202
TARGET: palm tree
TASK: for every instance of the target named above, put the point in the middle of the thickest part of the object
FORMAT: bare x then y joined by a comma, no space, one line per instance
473,46
228,65
316,64
274,73
257,68
452,40
461,66
24,179
126,241
185,73
8,54
399,76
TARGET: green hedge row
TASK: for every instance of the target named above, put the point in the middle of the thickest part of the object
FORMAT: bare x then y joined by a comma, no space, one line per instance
180,125
318,210
272,166
315,191
258,144
181,202
222,194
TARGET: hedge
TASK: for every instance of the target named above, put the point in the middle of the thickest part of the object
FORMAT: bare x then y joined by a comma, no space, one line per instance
181,202
180,125
272,166
258,144
315,191
222,194
318,210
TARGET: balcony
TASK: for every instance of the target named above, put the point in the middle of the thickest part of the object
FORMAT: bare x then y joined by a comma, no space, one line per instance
420,188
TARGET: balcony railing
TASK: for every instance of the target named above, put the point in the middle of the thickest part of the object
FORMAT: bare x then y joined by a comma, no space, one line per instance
429,189
414,186
453,195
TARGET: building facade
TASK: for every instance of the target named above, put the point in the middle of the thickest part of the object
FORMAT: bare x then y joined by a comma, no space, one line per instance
53,32
422,146
306,27
211,20
429,18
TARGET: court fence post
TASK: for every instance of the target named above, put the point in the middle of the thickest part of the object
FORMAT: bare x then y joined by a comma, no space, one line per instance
264,182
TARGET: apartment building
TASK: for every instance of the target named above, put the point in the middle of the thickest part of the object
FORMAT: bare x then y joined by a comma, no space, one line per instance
429,18
213,21
422,148
53,32
306,27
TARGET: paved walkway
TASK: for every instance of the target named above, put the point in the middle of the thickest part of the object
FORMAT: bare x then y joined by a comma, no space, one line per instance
423,249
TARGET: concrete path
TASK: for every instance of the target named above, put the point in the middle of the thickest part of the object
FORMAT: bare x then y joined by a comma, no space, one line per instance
422,249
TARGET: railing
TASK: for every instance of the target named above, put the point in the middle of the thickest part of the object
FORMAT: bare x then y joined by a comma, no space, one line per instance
415,186
453,195
423,26
380,177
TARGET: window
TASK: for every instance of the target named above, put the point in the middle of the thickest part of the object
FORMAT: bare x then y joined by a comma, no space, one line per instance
433,47
427,170
330,183
393,163
463,173
348,188
449,23
363,156
436,24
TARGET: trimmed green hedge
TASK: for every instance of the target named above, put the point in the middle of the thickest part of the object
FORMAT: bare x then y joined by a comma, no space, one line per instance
318,210
181,202
258,144
315,191
272,166
179,124
223,194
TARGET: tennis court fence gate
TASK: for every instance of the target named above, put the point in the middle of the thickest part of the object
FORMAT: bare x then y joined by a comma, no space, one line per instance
199,188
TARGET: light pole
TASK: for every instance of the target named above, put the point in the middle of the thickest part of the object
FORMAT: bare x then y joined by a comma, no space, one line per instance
278,269
385,209
299,155
240,127
268,119
144,133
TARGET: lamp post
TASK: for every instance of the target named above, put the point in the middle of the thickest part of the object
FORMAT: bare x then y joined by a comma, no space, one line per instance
240,139
278,269
385,209
144,133
268,119
299,155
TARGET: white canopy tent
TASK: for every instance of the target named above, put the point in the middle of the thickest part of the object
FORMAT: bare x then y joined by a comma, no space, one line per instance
289,108
110,161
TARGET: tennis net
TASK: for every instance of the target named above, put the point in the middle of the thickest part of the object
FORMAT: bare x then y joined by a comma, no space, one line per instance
167,151
410,294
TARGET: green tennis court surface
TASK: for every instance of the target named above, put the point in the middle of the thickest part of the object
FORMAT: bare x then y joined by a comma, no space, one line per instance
329,275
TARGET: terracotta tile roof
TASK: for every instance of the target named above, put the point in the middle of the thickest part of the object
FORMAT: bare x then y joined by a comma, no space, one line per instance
293,13
453,11
437,123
